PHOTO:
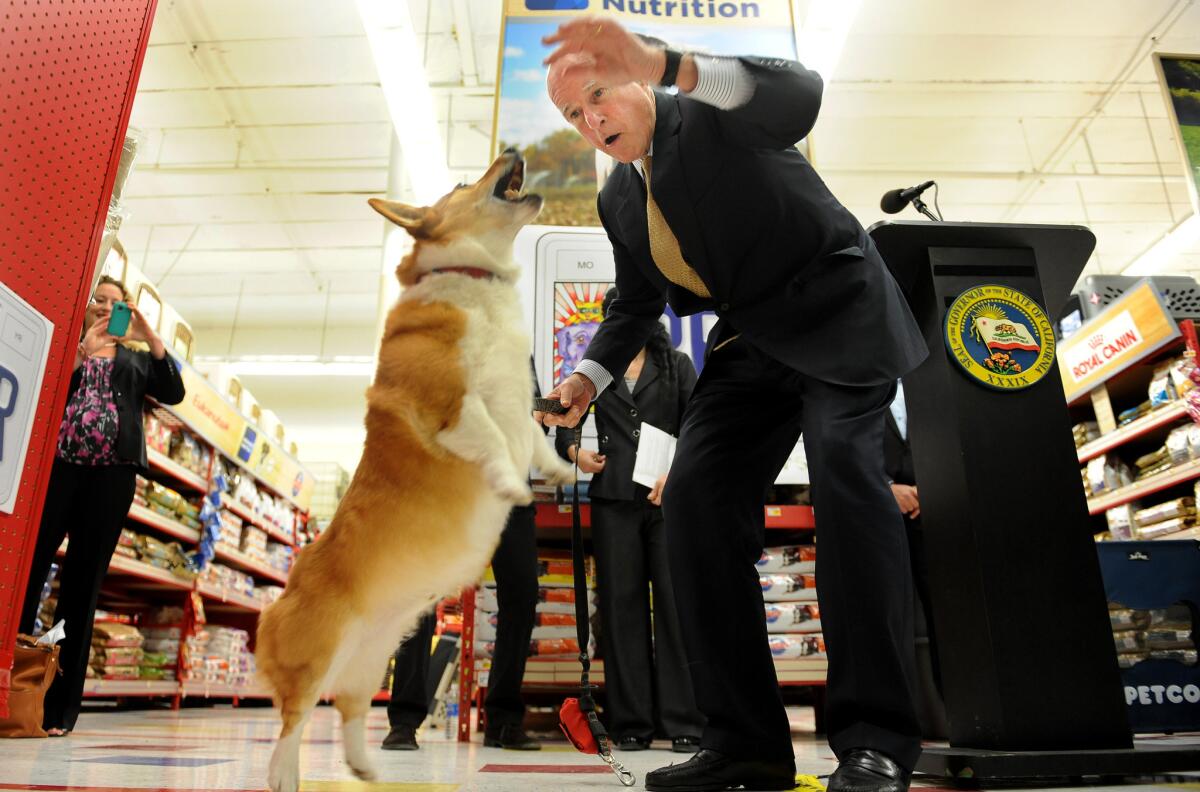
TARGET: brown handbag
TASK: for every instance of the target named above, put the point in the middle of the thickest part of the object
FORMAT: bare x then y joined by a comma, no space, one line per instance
33,670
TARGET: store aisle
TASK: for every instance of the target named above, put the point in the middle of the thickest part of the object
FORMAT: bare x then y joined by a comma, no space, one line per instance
226,750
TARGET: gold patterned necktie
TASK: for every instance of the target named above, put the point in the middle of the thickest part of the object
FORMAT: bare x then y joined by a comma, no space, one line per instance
664,247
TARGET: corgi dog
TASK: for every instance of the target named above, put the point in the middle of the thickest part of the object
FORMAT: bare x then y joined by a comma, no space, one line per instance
450,440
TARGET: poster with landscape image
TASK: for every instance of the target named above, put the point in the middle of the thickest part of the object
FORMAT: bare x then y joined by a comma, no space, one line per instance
1181,81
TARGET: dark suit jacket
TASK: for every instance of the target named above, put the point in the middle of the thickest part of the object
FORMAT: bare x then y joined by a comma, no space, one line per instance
897,453
136,375
787,265
658,398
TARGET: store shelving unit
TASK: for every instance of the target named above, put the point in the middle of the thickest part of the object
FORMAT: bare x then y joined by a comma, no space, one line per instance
1143,574
1124,390
549,674
130,580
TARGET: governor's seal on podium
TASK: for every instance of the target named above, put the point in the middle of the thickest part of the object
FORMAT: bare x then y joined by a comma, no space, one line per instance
1000,337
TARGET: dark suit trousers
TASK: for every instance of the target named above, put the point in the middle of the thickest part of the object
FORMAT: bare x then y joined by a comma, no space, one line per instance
88,504
411,686
631,556
743,420
516,569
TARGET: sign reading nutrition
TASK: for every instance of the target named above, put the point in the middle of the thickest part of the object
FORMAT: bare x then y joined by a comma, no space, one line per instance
559,163
1124,333
1000,337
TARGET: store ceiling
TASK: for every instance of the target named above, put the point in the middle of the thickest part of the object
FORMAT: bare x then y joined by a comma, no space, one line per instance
266,131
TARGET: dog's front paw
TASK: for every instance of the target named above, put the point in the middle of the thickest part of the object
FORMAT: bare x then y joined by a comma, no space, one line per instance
512,489
518,496
560,475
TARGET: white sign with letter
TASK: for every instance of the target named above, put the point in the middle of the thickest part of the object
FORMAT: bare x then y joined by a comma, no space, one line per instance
24,346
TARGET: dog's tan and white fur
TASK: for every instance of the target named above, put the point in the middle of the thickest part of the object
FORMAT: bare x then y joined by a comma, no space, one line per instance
450,440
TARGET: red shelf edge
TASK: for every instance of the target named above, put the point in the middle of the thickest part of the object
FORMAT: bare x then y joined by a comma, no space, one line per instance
553,515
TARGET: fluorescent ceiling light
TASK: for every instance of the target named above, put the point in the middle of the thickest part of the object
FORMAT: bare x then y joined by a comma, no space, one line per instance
1160,257
406,89
822,34
294,365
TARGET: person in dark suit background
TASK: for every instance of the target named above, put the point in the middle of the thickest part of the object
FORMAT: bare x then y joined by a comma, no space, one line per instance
629,541
712,207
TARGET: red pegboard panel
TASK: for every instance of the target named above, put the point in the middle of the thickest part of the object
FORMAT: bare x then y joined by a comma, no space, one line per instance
68,73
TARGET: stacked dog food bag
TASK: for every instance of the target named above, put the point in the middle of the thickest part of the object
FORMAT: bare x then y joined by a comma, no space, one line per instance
789,585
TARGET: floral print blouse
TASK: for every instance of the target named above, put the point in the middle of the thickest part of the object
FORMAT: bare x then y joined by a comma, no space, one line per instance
88,435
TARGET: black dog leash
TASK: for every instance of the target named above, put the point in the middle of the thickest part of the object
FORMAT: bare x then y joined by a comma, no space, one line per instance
587,703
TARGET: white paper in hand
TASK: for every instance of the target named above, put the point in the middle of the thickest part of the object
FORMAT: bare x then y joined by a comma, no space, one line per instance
655,451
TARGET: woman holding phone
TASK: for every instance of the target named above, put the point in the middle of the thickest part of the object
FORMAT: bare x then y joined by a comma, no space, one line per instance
100,449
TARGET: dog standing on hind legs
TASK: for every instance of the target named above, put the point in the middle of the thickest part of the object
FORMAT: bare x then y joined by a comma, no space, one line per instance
450,439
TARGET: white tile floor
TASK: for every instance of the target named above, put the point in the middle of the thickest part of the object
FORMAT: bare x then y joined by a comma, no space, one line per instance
226,750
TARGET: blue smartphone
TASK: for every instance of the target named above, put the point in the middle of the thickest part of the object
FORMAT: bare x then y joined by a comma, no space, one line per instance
118,320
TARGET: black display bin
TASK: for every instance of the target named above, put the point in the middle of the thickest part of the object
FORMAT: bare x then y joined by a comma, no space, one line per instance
1162,695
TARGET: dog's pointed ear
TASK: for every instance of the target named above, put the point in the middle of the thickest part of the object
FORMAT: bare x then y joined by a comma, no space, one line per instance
411,218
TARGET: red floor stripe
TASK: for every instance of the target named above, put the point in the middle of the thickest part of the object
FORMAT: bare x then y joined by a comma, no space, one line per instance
566,769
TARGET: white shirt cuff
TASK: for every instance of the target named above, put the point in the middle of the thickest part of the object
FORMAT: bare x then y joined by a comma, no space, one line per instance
596,373
723,83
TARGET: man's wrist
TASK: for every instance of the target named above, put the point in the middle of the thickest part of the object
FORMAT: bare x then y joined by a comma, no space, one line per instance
588,386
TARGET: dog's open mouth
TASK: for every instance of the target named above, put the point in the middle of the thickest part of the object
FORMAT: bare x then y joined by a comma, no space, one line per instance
508,186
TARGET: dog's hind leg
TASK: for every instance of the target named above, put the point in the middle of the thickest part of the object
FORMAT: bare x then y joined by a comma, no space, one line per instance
284,772
354,688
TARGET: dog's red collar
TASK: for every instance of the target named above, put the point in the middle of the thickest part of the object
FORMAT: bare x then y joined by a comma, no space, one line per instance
474,272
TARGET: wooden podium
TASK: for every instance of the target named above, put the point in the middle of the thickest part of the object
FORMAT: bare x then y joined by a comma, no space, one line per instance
1029,669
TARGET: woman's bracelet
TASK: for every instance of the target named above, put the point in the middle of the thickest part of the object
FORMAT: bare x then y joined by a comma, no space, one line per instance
83,353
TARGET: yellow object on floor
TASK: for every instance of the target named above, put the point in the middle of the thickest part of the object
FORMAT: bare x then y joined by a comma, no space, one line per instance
809,783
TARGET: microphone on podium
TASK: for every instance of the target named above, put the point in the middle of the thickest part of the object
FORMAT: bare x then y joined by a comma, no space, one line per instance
894,201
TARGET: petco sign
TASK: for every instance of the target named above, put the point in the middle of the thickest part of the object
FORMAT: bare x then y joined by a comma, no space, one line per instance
1147,695
1127,331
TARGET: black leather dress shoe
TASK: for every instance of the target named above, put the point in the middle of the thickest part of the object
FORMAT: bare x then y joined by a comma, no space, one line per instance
632,744
865,770
709,771
401,738
511,737
685,744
